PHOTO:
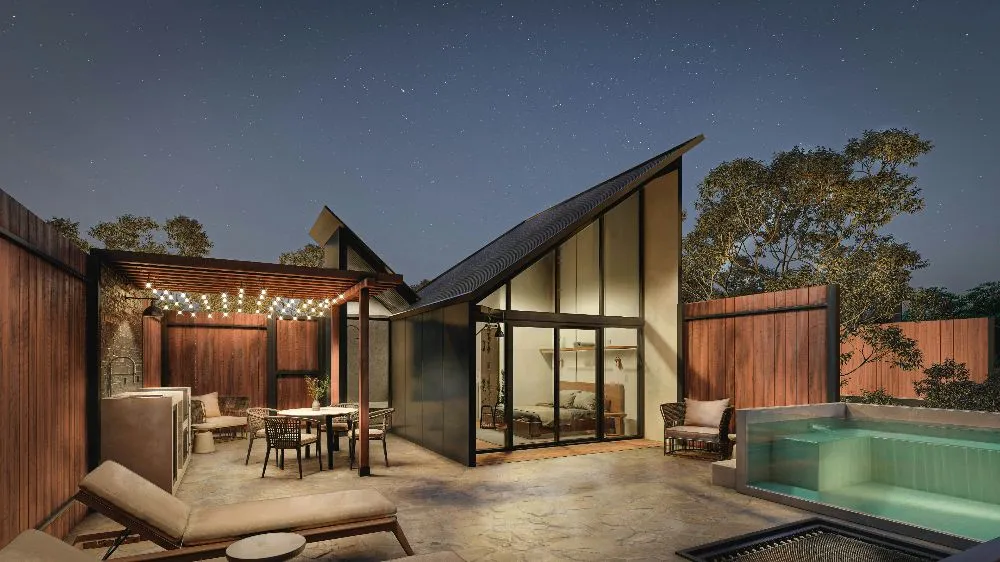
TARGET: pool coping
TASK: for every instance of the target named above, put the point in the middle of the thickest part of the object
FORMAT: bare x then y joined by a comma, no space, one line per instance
845,410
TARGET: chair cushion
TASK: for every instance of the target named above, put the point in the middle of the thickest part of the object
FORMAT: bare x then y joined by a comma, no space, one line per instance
338,426
260,433
211,402
372,432
706,413
221,422
224,522
691,430
138,497
36,546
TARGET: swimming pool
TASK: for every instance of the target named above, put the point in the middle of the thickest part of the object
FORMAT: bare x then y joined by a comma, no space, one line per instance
934,470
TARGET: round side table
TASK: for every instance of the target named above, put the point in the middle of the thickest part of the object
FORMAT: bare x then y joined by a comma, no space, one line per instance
268,547
204,442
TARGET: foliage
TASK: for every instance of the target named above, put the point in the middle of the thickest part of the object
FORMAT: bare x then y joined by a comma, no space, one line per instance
947,385
71,230
878,396
186,237
311,255
933,303
317,387
129,232
421,284
937,303
813,217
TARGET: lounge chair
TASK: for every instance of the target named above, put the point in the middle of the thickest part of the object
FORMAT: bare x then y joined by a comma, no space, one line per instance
697,422
198,533
36,546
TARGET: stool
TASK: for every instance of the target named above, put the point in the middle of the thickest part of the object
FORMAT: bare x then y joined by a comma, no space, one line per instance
204,442
269,547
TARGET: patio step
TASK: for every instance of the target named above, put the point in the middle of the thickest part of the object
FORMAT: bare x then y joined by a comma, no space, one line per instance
724,473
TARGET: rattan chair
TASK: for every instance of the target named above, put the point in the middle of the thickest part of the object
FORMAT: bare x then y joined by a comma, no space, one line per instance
255,426
380,421
705,438
285,432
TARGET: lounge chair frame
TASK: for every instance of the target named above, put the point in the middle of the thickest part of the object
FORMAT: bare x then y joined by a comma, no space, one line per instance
175,551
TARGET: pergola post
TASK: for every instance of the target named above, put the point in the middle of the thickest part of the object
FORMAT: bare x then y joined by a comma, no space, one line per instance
363,359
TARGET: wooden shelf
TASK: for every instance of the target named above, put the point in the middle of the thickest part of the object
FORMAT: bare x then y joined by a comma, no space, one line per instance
590,348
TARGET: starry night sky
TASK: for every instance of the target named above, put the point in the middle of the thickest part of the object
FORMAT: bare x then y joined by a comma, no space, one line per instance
430,128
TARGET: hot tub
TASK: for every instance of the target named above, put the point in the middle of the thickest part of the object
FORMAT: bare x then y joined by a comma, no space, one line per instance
917,471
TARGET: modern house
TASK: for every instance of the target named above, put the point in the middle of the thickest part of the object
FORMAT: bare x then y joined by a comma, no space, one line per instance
565,329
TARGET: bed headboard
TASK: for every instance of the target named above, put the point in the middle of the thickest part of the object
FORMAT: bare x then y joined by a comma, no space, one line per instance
614,393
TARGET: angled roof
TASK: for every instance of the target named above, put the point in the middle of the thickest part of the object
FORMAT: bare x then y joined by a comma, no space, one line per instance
536,235
360,257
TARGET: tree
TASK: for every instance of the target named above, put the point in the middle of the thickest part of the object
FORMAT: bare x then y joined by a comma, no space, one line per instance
310,255
129,232
814,217
186,237
71,230
421,284
981,300
933,303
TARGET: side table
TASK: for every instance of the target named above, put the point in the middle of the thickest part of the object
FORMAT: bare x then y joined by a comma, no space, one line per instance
617,420
268,547
204,442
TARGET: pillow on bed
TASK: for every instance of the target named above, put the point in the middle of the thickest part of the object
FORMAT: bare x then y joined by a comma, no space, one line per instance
566,398
585,400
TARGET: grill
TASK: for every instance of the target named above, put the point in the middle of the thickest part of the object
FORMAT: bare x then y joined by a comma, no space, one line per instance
819,540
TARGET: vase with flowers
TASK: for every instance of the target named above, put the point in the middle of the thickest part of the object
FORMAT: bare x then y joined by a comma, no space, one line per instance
316,388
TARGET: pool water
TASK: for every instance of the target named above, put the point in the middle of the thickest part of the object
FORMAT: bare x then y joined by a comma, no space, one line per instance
945,478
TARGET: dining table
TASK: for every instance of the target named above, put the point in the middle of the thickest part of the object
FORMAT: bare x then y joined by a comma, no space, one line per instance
327,413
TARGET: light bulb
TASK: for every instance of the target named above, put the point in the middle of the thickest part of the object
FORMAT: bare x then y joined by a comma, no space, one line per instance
149,285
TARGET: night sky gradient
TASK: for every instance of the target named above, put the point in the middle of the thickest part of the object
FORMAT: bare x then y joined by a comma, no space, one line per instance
431,128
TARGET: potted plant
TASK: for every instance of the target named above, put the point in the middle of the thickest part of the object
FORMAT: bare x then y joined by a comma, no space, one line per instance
316,387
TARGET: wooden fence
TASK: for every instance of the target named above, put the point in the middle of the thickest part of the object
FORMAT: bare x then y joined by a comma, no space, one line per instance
966,340
769,349
43,373
241,355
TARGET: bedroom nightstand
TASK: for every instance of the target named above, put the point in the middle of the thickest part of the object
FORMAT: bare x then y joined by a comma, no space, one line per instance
614,424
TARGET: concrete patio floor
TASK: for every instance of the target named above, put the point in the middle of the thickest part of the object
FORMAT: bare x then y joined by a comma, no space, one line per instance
629,505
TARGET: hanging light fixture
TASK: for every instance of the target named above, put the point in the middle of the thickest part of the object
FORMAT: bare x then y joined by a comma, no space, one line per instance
499,332
153,310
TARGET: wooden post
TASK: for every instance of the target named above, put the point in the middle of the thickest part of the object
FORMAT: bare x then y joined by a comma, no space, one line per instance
335,391
363,466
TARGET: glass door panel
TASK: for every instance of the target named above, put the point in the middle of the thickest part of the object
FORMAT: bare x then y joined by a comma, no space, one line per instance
621,382
490,427
533,417
579,405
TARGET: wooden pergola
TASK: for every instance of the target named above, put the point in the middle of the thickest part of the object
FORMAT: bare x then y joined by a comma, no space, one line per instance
216,276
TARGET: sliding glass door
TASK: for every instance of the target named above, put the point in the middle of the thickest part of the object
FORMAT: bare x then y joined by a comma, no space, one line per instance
579,398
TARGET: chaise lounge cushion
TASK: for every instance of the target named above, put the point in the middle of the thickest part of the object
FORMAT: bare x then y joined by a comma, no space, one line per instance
36,546
140,498
217,523
705,413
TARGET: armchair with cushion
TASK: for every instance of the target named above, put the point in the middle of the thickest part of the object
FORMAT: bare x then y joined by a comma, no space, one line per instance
699,422
223,414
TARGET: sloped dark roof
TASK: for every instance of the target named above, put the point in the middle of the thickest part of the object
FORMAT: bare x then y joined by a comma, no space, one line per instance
493,261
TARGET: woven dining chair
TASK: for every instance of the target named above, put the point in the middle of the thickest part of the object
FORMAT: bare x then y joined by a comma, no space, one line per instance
285,432
255,426
380,422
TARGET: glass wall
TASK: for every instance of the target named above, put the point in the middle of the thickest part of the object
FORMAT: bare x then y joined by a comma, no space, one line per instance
490,428
580,273
534,416
578,397
534,289
621,259
621,382
497,300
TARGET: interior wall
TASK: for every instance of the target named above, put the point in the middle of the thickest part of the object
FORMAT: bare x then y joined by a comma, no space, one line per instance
532,365
661,303
534,288
432,382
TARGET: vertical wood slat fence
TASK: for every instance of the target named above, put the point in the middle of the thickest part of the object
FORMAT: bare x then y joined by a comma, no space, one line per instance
43,378
966,340
768,349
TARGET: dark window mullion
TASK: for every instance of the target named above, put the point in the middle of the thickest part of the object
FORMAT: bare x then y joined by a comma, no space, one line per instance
555,384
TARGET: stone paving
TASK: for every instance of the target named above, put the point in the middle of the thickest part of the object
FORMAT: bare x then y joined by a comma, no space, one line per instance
629,505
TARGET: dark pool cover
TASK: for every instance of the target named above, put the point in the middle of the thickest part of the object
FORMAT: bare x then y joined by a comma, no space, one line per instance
817,539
